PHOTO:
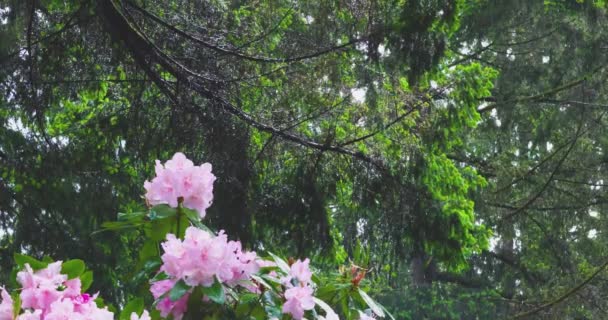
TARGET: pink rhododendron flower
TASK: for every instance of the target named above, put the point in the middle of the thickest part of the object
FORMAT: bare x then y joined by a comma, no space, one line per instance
48,295
299,299
72,287
238,265
180,178
299,291
29,315
6,307
166,306
202,257
43,287
299,273
69,309
144,316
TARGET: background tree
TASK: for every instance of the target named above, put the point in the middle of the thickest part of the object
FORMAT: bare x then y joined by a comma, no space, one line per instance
401,135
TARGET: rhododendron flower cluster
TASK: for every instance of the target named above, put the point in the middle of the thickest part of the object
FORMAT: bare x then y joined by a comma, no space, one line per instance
199,260
47,294
299,289
202,257
180,180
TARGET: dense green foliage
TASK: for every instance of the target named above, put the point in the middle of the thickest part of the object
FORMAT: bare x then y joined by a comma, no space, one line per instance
455,148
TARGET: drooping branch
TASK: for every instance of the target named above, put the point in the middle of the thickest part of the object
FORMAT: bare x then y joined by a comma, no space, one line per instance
547,182
563,296
236,53
383,128
70,23
540,96
146,53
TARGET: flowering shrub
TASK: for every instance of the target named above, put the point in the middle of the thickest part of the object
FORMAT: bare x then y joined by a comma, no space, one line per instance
200,274
54,291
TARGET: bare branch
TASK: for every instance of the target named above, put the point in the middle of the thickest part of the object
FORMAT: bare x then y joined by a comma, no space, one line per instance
237,53
145,53
563,296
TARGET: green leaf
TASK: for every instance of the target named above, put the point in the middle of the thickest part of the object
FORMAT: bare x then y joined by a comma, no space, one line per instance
328,310
261,281
16,305
160,276
179,290
161,211
118,225
151,265
191,214
371,303
86,279
280,262
148,251
266,270
388,313
158,229
135,305
21,260
195,219
215,292
73,268
131,216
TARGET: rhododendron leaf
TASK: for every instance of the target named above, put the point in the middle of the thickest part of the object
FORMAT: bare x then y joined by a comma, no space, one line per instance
215,292
371,303
99,302
21,260
271,279
387,312
118,225
73,268
248,297
152,265
328,310
179,290
135,305
195,219
147,252
273,309
86,279
280,262
160,276
192,215
229,292
155,314
131,216
315,278
326,291
157,230
266,270
249,306
161,211
16,304
261,281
